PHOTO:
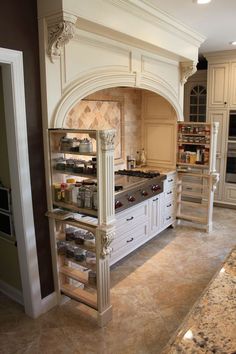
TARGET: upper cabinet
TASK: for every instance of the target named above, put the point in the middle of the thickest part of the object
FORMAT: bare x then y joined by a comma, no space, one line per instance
232,96
218,85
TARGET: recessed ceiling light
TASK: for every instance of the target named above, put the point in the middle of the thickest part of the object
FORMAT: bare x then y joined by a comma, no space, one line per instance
232,43
201,2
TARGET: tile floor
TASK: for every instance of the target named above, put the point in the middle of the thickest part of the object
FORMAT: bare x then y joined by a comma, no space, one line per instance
152,291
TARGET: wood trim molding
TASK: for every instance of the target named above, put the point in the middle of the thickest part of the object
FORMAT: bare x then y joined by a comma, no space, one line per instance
14,98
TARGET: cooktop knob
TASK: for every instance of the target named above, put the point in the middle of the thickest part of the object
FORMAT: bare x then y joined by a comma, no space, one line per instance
118,204
131,198
155,187
144,193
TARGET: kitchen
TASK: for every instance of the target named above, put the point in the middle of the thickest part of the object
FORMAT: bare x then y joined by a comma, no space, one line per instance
124,78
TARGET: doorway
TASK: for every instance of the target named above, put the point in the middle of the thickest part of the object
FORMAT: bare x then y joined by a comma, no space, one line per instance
11,63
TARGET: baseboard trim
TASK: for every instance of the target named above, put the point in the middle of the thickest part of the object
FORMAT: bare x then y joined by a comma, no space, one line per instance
49,302
13,293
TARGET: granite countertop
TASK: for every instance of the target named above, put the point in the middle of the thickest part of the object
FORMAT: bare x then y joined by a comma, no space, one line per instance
210,327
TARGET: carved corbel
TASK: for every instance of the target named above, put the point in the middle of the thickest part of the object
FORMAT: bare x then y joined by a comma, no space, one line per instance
187,69
106,238
215,177
107,139
59,34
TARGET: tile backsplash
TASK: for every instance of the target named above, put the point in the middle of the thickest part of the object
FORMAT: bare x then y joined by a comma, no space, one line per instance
118,108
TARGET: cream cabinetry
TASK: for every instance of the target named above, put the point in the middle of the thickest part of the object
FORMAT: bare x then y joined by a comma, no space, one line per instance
218,85
232,87
221,101
220,116
140,223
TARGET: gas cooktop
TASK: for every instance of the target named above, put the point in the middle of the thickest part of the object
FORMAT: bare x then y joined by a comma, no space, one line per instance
138,173
133,187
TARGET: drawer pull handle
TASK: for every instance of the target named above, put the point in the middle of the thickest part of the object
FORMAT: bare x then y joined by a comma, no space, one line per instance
154,200
170,180
129,219
168,218
130,240
169,192
169,205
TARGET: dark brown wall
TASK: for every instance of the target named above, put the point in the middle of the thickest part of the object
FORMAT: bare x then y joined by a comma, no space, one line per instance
18,31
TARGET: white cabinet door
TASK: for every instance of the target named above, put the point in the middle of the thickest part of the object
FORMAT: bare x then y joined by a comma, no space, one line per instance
155,216
220,117
218,85
232,91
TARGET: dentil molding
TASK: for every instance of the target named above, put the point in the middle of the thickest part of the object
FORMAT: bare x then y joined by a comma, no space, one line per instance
60,31
187,69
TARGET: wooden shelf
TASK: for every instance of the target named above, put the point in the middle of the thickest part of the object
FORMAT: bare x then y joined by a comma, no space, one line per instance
81,223
74,208
80,295
76,274
193,205
71,173
207,145
68,152
192,165
191,218
82,264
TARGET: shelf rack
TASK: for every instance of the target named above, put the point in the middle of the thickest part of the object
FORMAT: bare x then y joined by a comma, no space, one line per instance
71,276
196,182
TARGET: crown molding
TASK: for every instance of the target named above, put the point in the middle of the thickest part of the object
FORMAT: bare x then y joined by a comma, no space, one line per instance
151,13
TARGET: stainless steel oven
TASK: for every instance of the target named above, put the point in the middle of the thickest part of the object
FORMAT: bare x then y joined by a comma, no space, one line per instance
231,163
232,125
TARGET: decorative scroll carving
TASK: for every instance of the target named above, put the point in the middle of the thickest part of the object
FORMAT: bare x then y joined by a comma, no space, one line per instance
58,35
106,239
187,70
215,177
107,139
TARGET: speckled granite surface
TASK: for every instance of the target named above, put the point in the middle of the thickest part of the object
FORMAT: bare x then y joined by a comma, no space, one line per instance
210,327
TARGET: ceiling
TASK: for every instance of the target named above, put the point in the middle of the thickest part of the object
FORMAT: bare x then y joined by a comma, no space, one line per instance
216,20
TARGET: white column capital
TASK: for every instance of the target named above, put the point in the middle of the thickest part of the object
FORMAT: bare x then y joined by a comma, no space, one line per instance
107,139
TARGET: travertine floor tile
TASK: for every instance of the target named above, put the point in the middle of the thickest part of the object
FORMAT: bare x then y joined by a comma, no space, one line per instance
152,291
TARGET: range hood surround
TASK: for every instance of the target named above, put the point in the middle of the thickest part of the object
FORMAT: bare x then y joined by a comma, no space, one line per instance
97,44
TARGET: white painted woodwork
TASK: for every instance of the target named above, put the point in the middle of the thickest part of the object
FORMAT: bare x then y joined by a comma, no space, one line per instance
140,223
220,116
225,61
218,85
232,87
84,50
11,62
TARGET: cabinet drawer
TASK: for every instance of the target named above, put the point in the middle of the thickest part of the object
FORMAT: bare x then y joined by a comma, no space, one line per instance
170,194
130,242
129,218
122,231
169,207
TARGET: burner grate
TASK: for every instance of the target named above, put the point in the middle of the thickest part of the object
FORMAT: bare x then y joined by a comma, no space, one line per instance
137,173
